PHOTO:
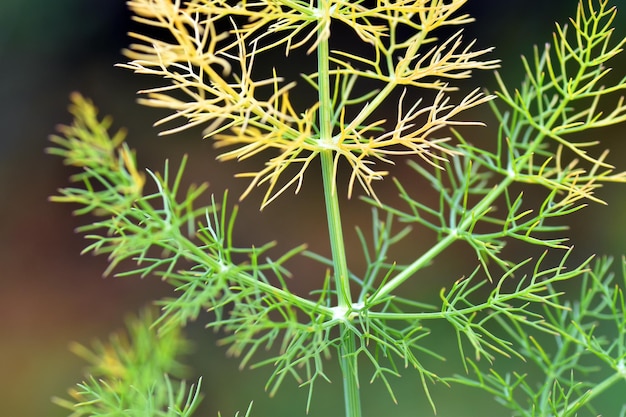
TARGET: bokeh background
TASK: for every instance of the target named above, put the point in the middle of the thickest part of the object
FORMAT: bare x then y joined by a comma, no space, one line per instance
50,295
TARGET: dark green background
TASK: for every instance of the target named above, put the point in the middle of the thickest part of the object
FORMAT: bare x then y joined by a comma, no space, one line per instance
49,295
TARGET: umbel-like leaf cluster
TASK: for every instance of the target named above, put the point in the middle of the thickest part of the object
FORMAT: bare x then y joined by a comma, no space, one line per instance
504,309
164,233
213,47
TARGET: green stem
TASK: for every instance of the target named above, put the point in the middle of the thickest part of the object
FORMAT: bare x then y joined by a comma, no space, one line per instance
348,359
335,231
427,257
347,349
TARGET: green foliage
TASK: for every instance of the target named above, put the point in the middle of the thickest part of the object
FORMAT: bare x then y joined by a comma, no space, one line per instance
504,310
587,338
132,375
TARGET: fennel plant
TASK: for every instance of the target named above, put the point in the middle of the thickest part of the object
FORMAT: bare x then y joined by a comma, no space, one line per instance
363,113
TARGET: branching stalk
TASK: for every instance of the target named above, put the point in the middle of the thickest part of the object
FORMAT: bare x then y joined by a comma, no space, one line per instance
347,356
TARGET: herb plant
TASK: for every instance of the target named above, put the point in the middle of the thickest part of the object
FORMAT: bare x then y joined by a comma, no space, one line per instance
362,115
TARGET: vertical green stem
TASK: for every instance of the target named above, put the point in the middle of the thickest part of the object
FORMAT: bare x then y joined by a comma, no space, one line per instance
335,231
348,359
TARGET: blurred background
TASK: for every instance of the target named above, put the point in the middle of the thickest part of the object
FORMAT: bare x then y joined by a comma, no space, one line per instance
50,295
